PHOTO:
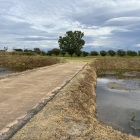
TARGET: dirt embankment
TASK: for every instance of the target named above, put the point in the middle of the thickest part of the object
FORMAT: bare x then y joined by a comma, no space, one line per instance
71,115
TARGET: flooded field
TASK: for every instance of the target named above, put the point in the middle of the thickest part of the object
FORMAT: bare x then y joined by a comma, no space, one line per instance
118,101
6,70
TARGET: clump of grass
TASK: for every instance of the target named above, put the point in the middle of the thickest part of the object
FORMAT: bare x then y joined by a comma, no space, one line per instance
27,62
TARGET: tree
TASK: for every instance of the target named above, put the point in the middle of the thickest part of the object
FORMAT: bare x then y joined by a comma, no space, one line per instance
43,53
131,53
56,51
37,50
111,52
63,53
139,53
49,53
103,53
85,53
26,50
72,42
94,53
79,53
18,50
121,52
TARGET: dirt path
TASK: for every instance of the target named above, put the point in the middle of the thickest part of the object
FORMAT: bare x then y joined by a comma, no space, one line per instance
25,91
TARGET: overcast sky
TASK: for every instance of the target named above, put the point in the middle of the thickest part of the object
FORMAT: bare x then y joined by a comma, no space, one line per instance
107,24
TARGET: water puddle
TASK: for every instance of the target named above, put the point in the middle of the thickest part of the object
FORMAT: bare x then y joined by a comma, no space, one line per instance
118,101
6,70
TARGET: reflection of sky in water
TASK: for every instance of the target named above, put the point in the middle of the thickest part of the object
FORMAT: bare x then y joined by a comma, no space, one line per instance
4,71
130,83
115,107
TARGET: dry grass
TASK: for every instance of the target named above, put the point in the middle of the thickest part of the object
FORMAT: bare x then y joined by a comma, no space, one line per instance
118,63
27,62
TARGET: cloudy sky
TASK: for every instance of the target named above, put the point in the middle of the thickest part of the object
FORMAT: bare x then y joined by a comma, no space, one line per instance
107,24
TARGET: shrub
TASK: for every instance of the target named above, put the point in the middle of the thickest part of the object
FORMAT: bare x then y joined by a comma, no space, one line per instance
63,53
121,52
56,51
131,53
85,53
103,53
111,52
49,53
94,53
78,53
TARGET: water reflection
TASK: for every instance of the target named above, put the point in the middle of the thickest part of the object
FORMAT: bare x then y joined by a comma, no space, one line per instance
118,102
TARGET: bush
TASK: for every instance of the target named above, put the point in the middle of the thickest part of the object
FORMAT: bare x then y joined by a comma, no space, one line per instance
111,52
49,53
103,53
78,53
56,51
131,53
121,52
94,53
139,53
63,53
85,53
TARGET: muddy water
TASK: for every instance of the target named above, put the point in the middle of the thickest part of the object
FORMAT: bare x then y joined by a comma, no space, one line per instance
5,70
118,101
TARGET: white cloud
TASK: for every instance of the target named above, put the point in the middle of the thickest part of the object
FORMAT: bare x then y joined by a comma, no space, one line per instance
104,22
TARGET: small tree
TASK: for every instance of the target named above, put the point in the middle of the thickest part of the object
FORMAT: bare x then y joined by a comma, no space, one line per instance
63,53
18,50
43,53
37,50
72,42
85,53
103,53
139,53
131,53
26,50
49,53
94,53
79,53
56,51
121,52
111,52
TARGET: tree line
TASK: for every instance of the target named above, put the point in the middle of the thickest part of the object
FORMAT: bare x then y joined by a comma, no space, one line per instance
72,43
59,52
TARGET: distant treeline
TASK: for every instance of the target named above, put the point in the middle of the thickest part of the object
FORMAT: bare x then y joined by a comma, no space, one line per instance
58,52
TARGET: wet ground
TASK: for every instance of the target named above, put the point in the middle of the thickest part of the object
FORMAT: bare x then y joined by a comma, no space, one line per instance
118,101
4,71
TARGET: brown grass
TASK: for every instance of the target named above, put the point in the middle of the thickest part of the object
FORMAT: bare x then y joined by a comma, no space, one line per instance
118,63
27,62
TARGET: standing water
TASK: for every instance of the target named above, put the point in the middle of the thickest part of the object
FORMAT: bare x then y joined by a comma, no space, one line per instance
4,71
118,101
